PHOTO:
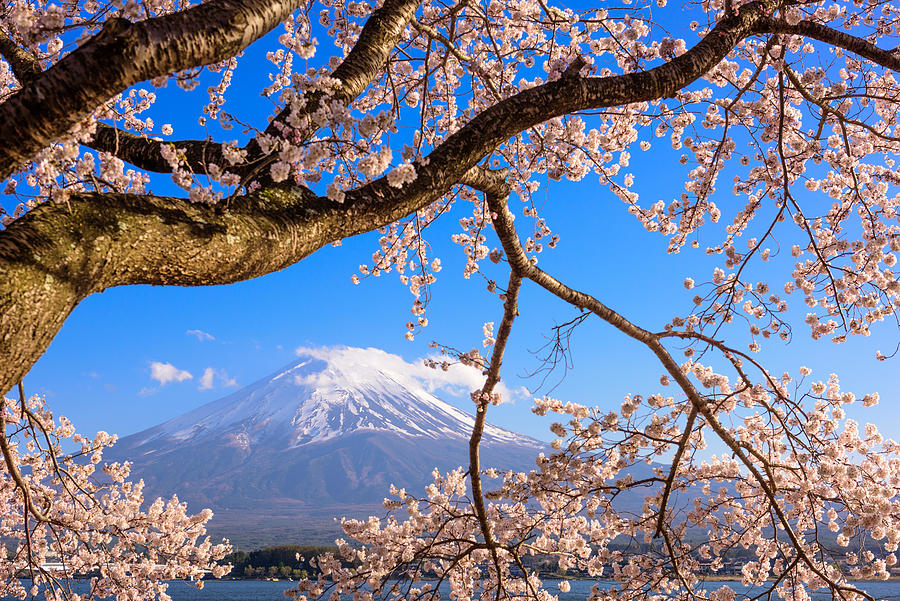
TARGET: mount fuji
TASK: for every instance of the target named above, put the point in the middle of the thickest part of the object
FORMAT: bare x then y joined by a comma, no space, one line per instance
323,437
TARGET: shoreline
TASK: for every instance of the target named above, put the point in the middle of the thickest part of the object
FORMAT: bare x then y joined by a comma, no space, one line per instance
545,578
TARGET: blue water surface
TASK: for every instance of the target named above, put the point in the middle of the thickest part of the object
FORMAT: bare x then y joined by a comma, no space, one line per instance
258,590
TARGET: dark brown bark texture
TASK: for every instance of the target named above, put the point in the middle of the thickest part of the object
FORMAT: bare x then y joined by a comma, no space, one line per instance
58,254
378,37
121,55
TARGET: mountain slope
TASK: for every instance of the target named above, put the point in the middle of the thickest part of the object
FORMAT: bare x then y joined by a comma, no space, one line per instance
324,437
316,400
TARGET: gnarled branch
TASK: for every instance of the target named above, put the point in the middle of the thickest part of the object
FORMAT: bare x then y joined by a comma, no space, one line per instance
121,55
378,37
835,37
59,254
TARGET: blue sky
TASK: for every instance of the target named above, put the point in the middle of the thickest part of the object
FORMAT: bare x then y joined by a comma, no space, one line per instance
98,370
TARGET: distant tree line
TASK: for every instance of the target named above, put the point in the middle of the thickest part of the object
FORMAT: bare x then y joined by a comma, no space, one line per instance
283,561
296,561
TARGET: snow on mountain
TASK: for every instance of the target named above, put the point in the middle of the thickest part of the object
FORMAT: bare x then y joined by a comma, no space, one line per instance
326,396
324,437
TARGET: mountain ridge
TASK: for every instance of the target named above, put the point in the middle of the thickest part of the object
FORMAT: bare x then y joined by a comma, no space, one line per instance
324,436
348,400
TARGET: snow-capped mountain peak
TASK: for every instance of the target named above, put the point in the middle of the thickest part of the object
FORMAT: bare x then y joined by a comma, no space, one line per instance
326,436
329,393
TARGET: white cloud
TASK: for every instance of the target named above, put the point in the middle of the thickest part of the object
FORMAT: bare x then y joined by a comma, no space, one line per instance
458,380
201,335
207,380
166,372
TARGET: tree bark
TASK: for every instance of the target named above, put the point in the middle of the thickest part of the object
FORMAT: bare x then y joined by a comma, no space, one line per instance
379,36
121,55
57,255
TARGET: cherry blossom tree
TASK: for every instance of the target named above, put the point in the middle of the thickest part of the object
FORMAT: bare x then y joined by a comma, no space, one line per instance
428,108
69,515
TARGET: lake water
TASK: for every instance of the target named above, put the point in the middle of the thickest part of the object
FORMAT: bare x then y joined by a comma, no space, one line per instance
253,590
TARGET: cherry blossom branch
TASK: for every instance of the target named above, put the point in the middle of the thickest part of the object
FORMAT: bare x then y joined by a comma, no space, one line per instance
123,54
484,398
459,54
147,154
383,29
735,358
56,255
676,565
519,262
823,33
676,460
65,478
496,191
379,36
786,188
86,529
71,89
13,469
12,466
829,110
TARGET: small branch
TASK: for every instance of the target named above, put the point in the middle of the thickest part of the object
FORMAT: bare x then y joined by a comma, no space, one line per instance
682,444
459,54
510,311
503,224
13,469
829,110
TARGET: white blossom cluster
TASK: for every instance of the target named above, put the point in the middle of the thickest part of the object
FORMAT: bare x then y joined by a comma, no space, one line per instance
770,494
89,514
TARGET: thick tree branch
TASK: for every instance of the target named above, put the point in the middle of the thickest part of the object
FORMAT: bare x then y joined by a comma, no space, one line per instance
56,255
496,124
379,36
145,153
121,55
816,31
59,254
